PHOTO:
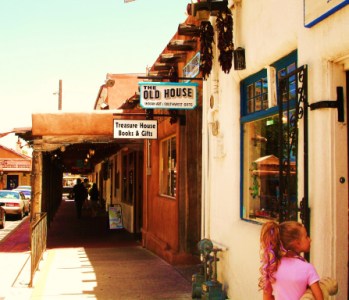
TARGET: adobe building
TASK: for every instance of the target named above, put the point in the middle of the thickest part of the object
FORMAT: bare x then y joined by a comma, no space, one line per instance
116,90
15,168
276,124
276,104
156,182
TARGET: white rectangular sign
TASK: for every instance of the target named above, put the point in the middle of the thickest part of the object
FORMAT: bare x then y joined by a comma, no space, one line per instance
168,95
135,129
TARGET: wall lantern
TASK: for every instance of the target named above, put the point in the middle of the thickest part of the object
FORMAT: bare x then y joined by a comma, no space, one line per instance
239,59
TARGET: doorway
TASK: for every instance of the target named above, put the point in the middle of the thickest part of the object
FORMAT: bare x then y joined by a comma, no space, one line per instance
132,186
12,182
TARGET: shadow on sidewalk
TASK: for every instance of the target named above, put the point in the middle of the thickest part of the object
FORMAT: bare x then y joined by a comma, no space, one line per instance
91,261
66,230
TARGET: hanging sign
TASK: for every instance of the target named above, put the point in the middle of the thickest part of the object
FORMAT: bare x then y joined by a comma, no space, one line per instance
136,129
168,95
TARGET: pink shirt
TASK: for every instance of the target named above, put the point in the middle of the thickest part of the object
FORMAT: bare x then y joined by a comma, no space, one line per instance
292,278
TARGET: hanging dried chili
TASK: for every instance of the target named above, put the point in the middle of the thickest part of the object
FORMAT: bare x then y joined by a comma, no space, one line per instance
224,23
206,53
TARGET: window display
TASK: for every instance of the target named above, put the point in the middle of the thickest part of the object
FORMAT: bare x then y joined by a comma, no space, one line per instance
269,138
261,159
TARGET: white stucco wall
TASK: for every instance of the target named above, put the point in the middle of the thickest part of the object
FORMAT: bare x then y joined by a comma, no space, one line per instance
328,160
269,30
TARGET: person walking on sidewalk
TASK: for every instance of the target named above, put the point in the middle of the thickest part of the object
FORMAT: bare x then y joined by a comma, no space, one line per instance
94,195
86,204
80,194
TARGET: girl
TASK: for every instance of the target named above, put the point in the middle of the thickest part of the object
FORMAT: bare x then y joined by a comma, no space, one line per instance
284,273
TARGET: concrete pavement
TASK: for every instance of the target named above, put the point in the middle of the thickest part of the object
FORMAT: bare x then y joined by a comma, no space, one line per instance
14,257
108,273
86,260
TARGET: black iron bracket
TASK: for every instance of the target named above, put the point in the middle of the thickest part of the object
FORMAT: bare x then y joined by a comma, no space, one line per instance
172,114
339,104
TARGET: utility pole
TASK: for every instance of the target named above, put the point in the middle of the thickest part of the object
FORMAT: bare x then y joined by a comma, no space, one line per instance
60,95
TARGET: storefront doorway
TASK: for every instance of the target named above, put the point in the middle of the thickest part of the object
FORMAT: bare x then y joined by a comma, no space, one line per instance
12,182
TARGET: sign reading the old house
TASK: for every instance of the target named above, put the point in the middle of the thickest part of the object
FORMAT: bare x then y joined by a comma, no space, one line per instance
135,129
168,95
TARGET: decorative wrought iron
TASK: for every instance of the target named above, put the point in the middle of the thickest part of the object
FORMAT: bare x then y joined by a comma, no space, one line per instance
288,141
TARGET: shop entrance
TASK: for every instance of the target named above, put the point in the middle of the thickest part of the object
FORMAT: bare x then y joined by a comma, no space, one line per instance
12,182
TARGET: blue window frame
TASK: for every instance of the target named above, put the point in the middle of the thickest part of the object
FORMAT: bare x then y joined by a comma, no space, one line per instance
260,127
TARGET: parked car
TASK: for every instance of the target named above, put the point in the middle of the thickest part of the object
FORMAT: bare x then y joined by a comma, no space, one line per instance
28,197
14,202
26,187
2,215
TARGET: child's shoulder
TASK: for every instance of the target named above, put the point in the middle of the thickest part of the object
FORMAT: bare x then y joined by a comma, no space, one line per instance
287,261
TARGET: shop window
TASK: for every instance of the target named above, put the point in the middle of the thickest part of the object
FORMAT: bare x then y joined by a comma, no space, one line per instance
261,126
257,95
168,167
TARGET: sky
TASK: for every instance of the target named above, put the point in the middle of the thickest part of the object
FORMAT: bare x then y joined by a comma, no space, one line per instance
78,42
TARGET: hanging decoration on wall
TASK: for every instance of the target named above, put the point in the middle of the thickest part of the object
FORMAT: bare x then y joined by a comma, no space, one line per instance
224,25
206,55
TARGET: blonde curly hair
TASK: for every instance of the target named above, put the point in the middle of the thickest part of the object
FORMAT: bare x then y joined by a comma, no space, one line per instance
275,240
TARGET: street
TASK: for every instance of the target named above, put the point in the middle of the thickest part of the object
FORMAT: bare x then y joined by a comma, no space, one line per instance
11,224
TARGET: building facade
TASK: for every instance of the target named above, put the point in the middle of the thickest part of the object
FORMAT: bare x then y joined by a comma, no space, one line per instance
157,182
15,169
285,100
296,68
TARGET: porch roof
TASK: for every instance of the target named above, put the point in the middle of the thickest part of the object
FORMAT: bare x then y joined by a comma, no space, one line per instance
90,123
73,135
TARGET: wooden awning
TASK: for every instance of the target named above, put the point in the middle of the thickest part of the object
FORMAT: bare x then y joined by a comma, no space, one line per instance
70,136
50,131
94,123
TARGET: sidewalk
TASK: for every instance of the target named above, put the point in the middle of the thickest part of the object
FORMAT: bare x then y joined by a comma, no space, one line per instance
14,257
86,260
